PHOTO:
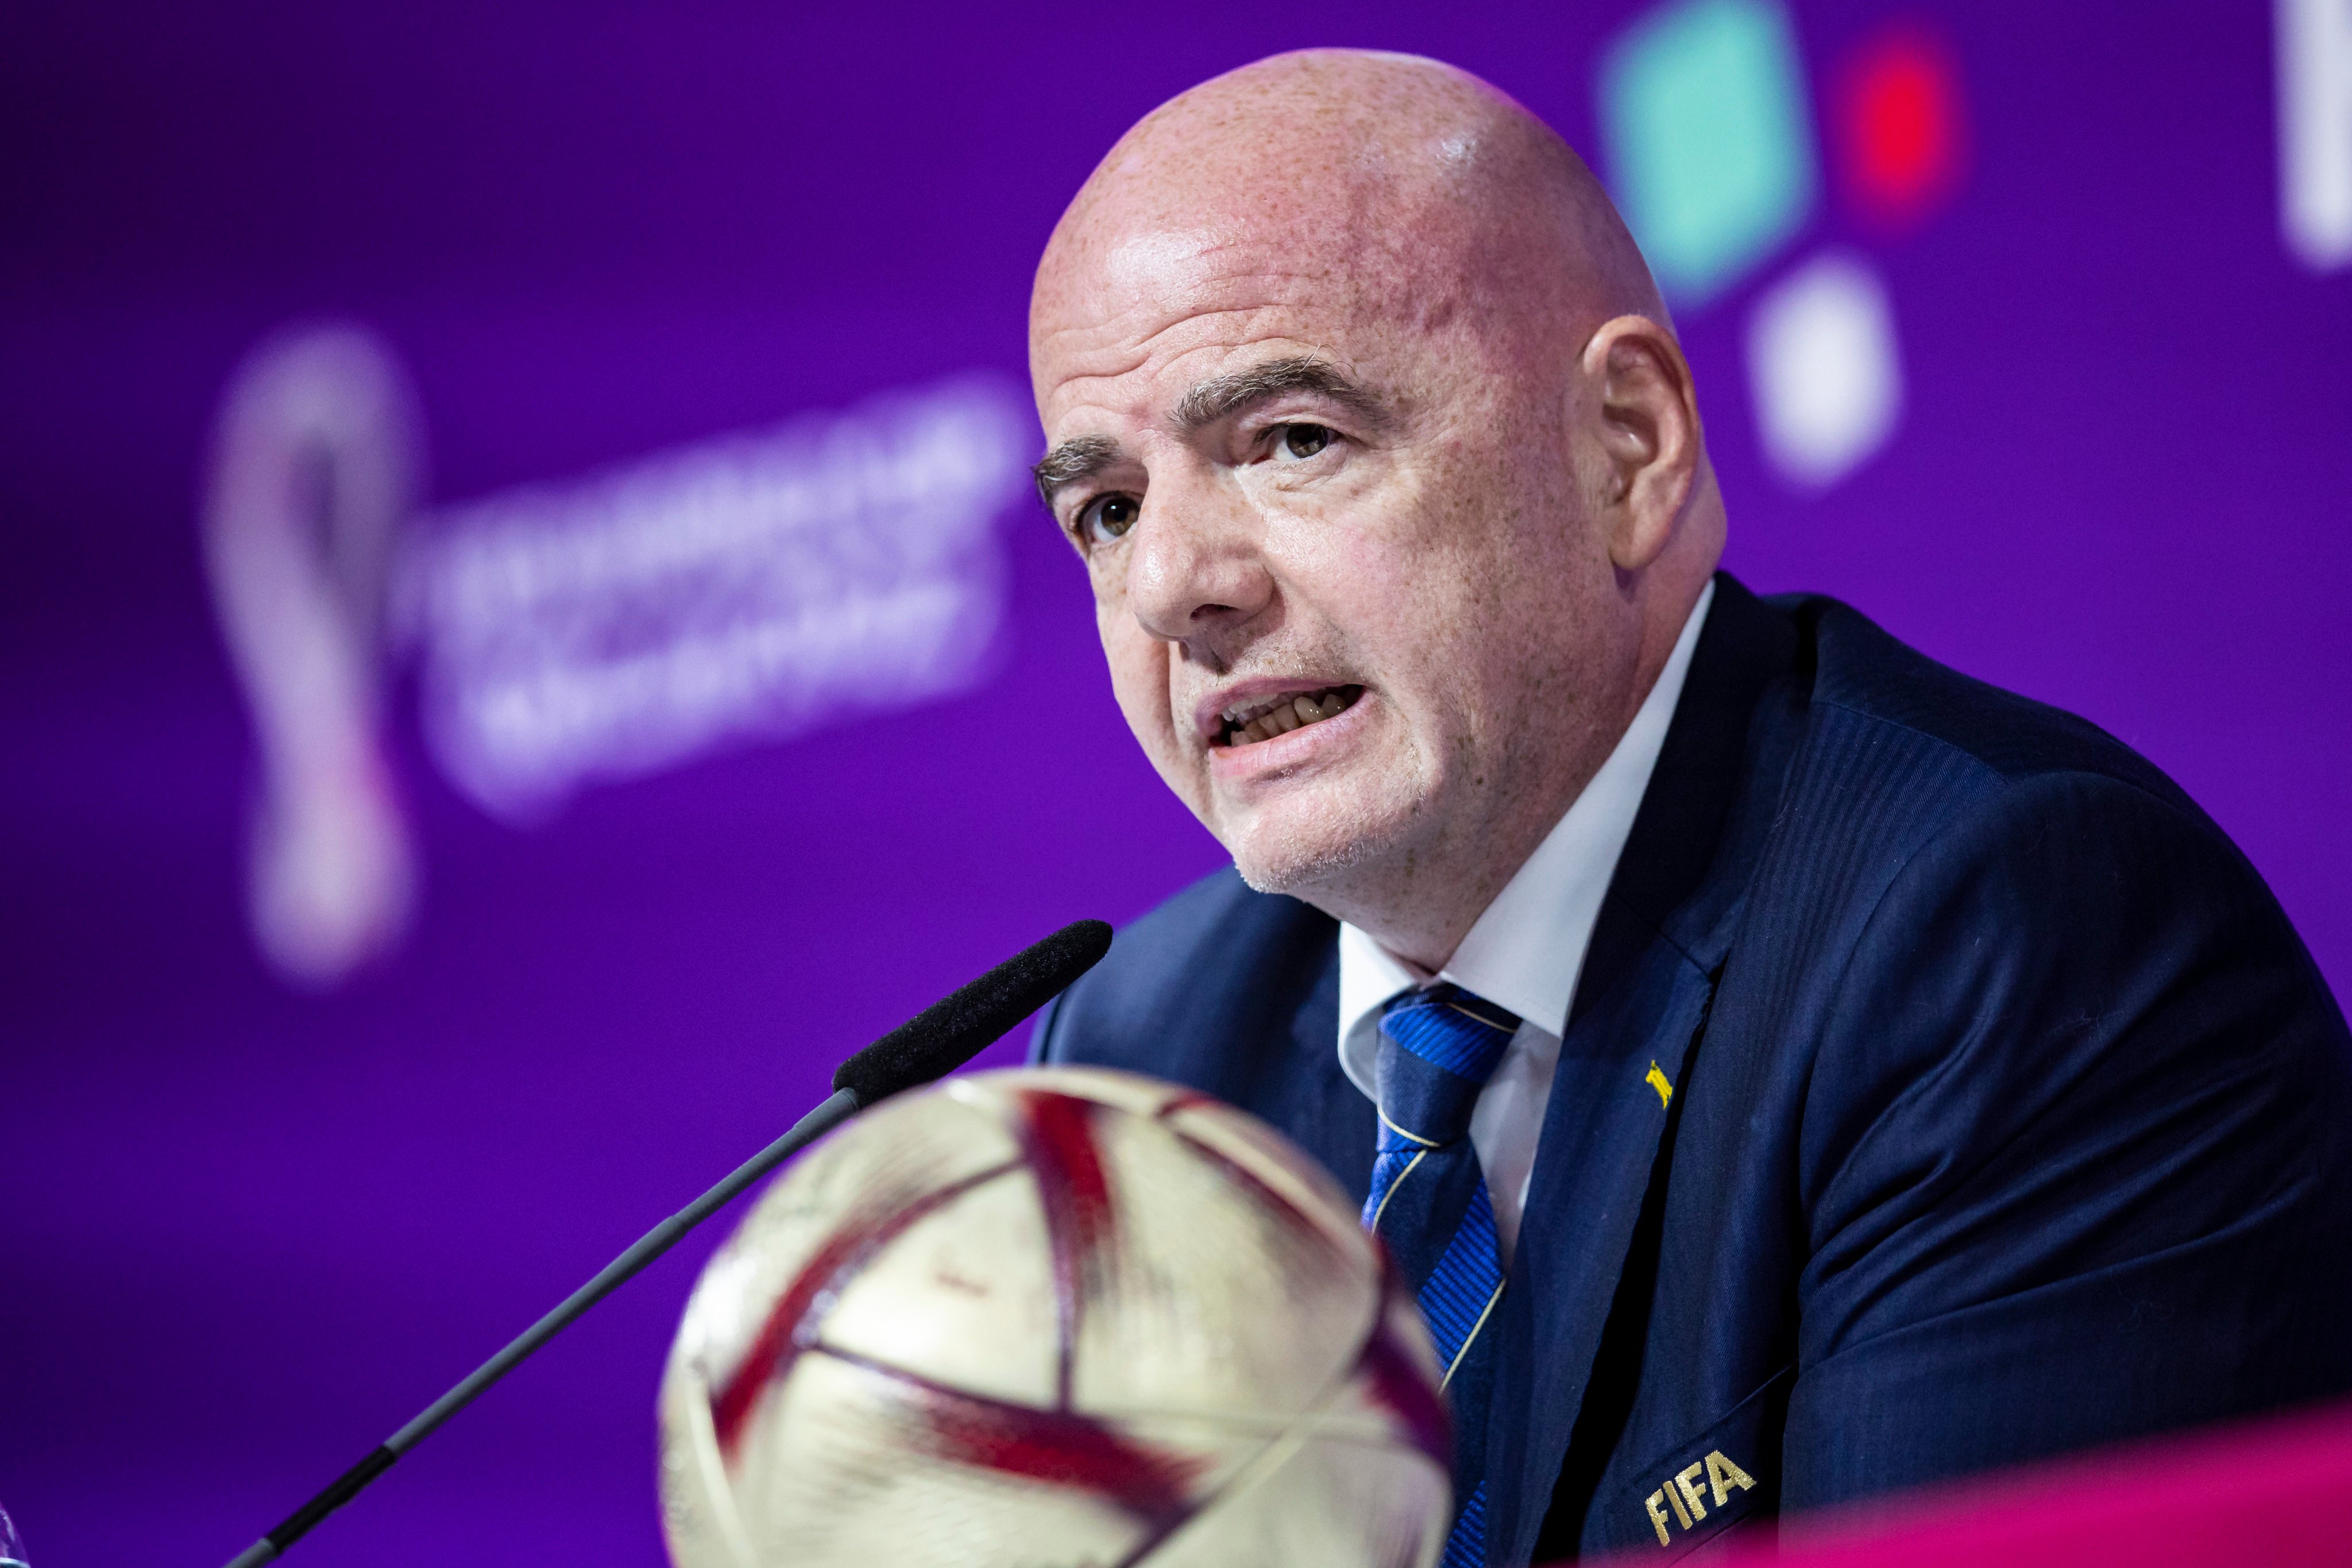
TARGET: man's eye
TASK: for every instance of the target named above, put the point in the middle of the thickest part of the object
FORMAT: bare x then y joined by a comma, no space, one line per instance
1106,518
1297,443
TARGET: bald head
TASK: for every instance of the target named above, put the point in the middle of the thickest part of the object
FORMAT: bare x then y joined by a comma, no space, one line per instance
1367,420
1425,186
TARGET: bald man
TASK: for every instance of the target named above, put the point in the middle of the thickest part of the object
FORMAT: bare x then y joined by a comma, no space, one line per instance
1785,1069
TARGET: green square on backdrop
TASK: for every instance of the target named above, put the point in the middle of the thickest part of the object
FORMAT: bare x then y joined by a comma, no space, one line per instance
1710,146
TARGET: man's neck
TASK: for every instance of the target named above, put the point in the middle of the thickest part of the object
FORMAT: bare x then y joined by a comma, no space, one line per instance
1420,900
1420,906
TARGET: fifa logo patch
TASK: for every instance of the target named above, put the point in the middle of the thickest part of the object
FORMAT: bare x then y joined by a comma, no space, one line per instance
1687,1489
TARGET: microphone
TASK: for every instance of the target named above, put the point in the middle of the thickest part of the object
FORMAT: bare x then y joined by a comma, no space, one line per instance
932,1044
953,1030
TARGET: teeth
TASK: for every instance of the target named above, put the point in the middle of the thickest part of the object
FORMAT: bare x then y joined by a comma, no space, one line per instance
1247,723
1243,712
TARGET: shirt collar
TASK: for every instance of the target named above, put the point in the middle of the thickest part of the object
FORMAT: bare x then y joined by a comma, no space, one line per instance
1525,950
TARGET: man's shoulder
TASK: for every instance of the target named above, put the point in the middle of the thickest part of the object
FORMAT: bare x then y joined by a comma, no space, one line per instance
1216,955
1870,680
1913,790
1215,934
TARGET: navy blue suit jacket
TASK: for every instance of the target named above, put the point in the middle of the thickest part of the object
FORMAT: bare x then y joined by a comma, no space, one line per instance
1942,1089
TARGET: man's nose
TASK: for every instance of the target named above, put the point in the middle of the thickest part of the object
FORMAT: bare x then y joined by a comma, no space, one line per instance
1198,568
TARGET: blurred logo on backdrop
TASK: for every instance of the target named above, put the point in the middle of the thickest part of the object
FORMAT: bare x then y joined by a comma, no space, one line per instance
753,586
2313,43
314,474
1712,140
1710,128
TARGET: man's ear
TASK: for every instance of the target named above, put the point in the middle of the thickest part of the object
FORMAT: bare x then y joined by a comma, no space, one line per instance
1640,387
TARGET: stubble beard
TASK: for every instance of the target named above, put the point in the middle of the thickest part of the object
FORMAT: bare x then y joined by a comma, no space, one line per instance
1334,854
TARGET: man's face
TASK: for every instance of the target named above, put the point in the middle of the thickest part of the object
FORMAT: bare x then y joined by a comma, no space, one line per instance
1336,547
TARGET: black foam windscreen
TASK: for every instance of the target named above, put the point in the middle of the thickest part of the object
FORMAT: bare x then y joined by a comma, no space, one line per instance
951,1031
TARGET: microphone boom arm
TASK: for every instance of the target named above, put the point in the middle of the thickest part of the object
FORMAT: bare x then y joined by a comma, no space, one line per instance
934,1043
838,1108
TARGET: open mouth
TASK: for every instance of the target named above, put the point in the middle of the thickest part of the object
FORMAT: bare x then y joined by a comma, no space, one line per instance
1247,724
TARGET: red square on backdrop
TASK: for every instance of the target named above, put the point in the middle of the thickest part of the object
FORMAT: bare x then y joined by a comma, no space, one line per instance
1900,126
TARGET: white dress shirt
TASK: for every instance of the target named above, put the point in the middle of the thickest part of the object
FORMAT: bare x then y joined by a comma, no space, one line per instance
1527,949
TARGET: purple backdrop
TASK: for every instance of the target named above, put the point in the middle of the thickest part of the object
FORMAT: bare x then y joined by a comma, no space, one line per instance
246,1232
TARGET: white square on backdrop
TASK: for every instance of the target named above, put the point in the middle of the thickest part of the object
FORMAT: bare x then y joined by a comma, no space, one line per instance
1824,368
2315,123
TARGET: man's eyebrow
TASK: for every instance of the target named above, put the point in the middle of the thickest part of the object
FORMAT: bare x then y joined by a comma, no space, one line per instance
1221,397
1080,457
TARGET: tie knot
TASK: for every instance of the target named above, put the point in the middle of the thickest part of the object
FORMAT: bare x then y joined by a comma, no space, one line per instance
1438,1047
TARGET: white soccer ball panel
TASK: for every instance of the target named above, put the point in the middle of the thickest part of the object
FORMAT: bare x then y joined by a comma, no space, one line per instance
1212,1292
1363,1481
698,1503
1321,1502
864,1470
965,1297
907,1152
1274,1160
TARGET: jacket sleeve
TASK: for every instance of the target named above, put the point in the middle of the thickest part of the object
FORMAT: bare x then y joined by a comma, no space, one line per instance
2075,1162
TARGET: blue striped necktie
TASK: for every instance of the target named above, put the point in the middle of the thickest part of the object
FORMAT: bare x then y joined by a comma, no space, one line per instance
1429,1202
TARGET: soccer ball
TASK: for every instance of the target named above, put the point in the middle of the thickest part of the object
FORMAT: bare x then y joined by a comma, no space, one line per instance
1053,1318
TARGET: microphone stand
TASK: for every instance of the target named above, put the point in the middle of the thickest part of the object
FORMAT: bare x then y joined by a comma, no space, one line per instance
935,1042
838,1108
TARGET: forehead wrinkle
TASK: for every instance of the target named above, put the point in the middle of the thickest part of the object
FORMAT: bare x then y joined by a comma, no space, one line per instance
1341,296
1133,323
1119,375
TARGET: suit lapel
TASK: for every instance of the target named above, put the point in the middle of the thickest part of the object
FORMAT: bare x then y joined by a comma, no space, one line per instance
1282,1063
1684,861
1618,1071
1640,1002
1331,1117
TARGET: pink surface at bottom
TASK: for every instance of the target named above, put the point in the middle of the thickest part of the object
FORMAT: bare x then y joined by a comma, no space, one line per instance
2251,1496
